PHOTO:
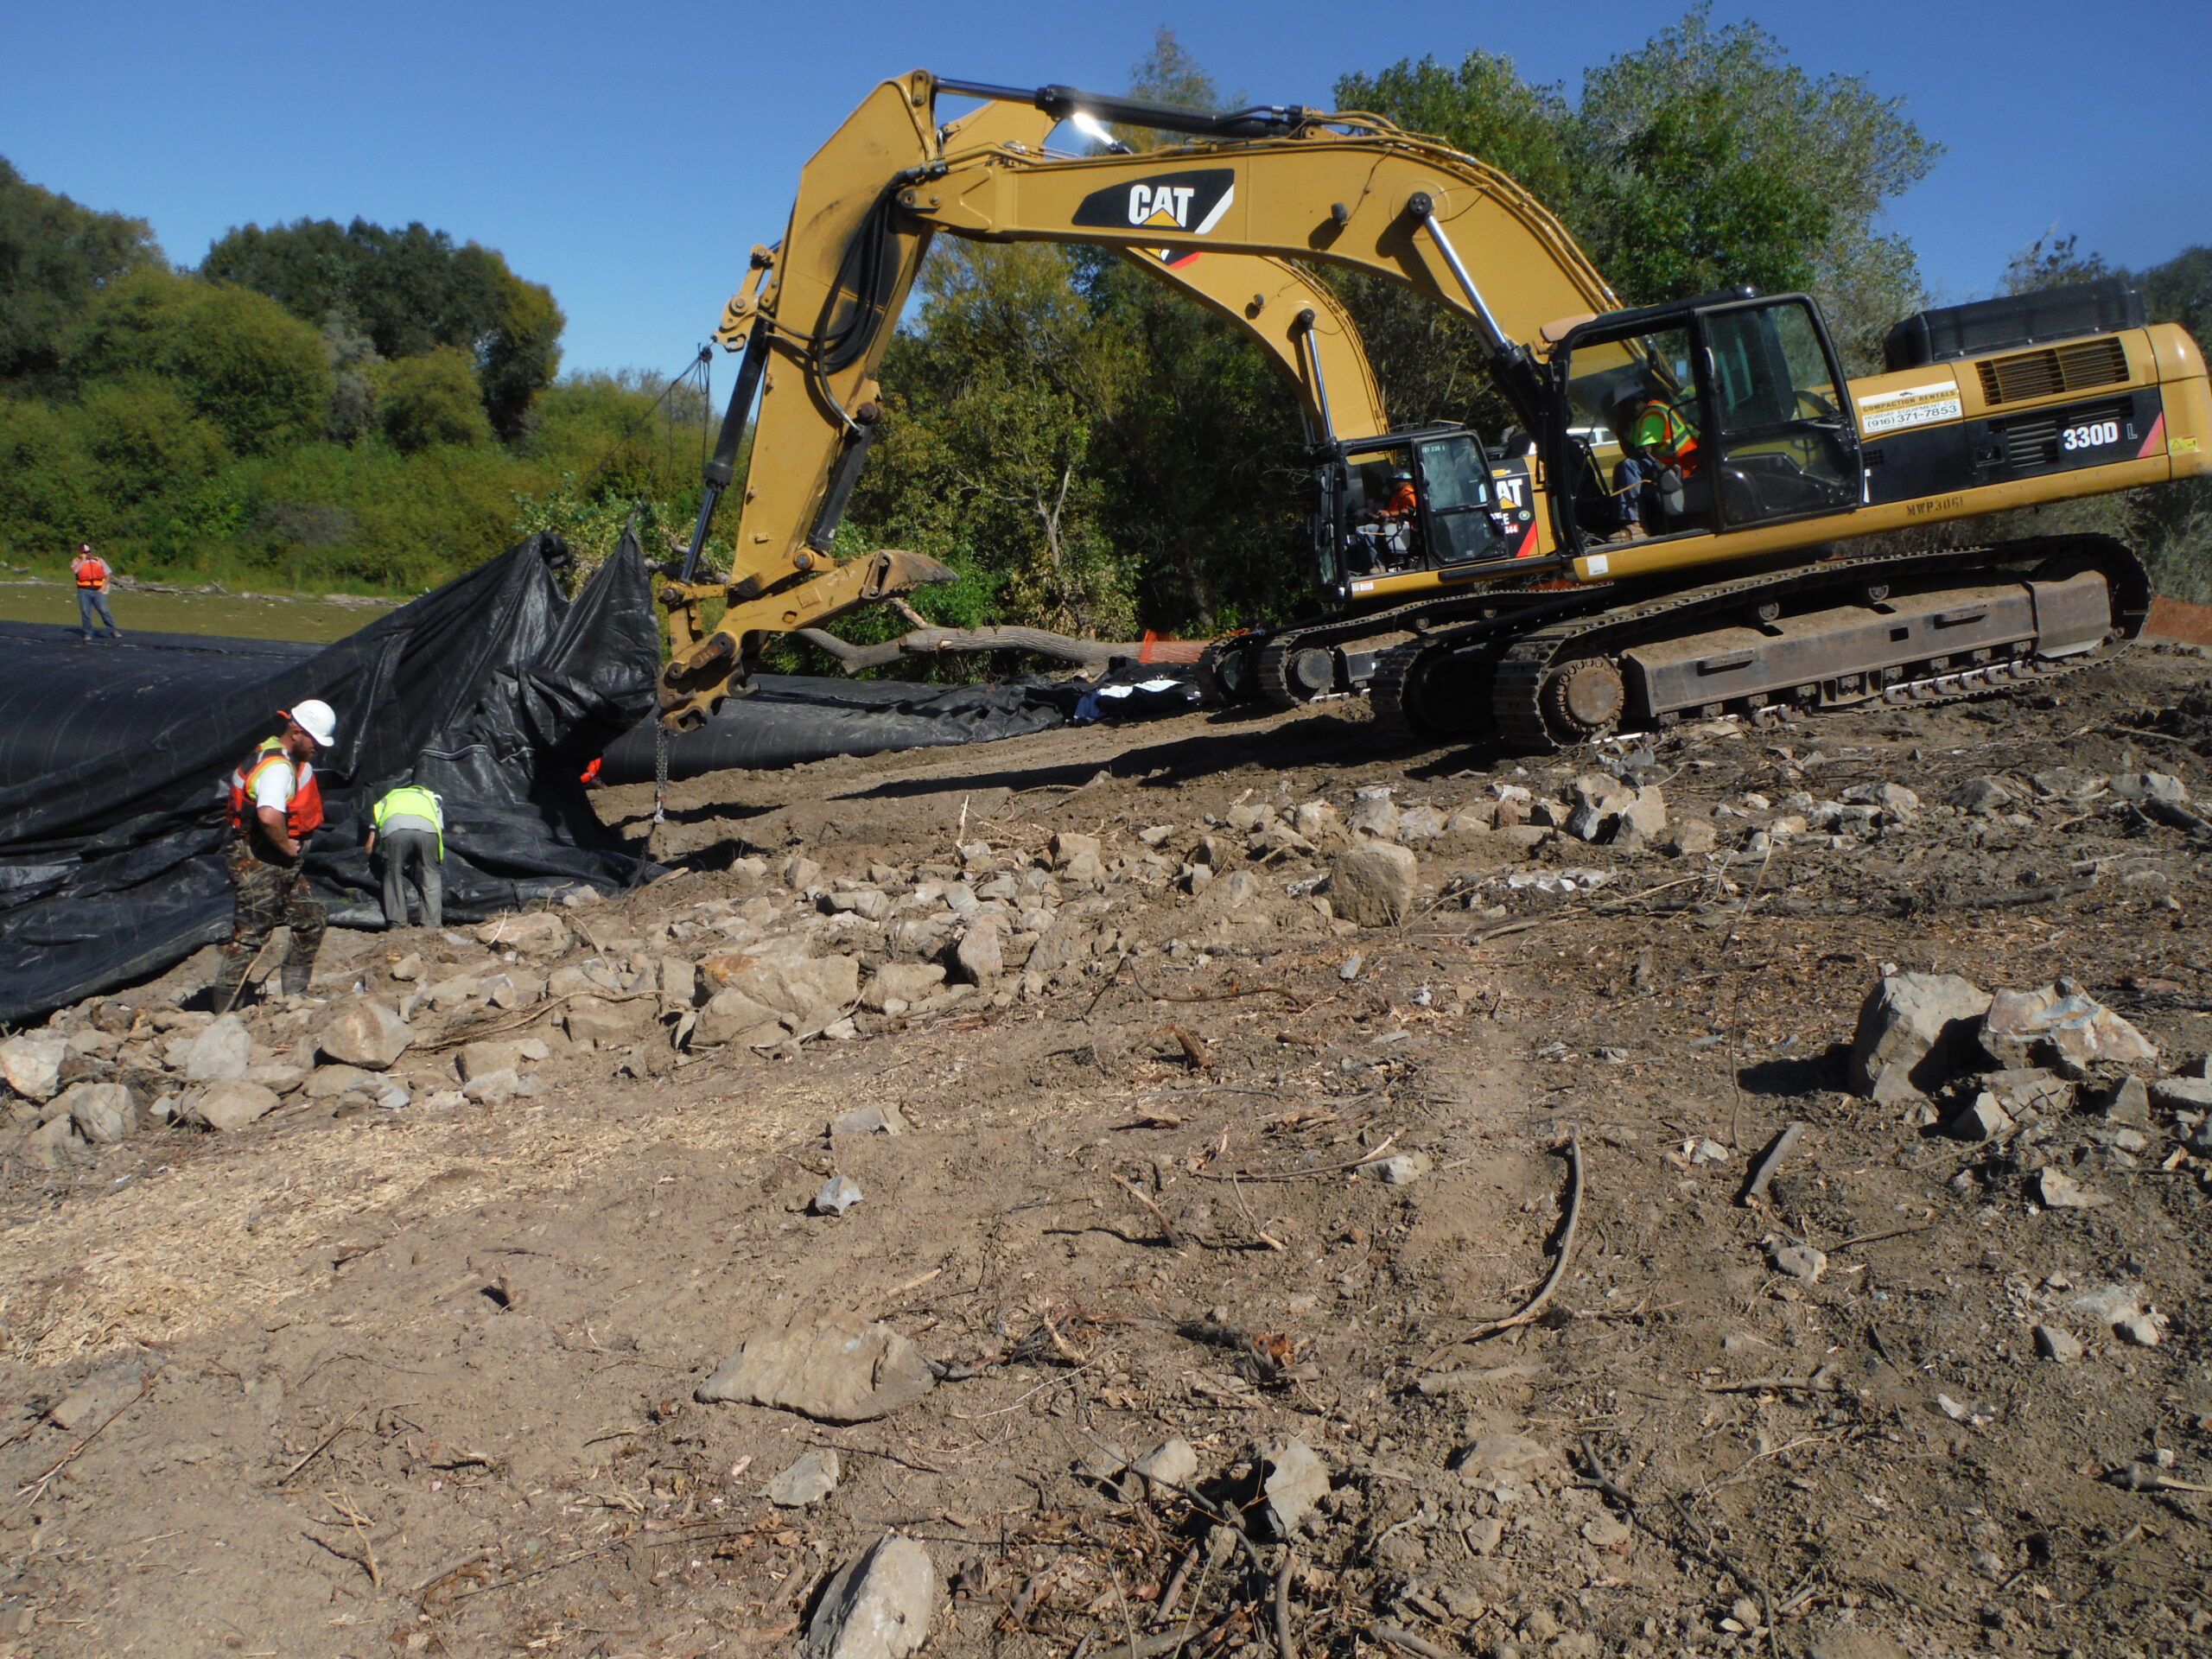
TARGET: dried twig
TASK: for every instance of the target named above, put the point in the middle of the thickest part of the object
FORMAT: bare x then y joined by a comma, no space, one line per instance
1876,1238
322,1445
1410,1642
1762,1175
1826,1380
1285,1648
2142,1478
1535,1303
1173,1593
1167,1227
70,1456
1295,1175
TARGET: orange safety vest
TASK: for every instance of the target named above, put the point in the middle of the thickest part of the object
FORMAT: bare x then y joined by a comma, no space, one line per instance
92,573
303,815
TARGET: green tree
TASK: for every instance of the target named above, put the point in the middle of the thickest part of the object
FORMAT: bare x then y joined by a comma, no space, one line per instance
56,257
995,401
264,378
407,291
430,398
1773,175
1699,159
45,483
2052,261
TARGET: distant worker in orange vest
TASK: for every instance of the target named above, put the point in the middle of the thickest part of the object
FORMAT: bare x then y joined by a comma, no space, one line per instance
91,573
275,804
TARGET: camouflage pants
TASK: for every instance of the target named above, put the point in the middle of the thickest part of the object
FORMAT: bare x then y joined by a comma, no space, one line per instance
267,894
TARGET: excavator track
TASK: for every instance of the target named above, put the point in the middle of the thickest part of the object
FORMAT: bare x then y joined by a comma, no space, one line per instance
1561,684
1273,657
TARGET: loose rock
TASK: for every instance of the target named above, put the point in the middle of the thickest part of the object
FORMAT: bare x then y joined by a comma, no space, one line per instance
1296,1481
223,1049
539,933
104,1112
2031,1027
1915,1031
839,1370
231,1104
1169,1465
2055,1341
879,1606
838,1194
362,1032
808,1480
2056,1190
1372,883
32,1063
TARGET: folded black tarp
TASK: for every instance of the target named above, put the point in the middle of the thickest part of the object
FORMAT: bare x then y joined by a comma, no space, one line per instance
786,718
493,691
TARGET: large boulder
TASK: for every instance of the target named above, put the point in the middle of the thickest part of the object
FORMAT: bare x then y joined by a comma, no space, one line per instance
903,982
731,1016
231,1104
1372,883
1915,1031
981,953
878,1606
104,1113
32,1063
2051,1026
837,1369
221,1050
362,1032
803,986
536,933
590,1019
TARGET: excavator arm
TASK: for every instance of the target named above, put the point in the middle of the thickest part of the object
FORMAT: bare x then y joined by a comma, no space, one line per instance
815,315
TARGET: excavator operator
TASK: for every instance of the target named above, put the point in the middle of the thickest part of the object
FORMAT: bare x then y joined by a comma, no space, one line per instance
1659,456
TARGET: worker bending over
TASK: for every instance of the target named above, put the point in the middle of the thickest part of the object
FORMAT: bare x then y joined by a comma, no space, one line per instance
275,804
410,822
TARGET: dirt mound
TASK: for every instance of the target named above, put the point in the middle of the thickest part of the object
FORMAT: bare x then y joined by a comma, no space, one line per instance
1193,1223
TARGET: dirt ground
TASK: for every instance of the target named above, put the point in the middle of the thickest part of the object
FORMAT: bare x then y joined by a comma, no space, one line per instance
365,1380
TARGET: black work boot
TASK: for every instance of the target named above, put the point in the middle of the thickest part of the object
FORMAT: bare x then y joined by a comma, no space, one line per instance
296,975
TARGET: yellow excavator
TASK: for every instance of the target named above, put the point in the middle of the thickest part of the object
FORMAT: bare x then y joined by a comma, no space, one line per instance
1664,531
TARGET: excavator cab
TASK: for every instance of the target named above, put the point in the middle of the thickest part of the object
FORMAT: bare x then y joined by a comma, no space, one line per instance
1711,414
1413,500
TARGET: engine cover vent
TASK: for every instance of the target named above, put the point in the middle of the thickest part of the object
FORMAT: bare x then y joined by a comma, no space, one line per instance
2054,371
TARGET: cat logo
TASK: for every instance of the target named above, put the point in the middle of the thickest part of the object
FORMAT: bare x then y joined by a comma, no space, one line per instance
1192,201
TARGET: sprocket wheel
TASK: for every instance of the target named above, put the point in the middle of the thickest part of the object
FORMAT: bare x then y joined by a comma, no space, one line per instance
1584,699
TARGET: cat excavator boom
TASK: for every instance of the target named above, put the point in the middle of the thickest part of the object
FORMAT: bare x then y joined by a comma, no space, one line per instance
1669,534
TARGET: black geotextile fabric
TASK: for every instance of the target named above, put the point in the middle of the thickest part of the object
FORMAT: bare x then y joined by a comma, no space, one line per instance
786,718
65,699
493,691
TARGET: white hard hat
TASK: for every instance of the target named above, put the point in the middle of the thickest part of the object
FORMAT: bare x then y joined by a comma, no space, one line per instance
313,716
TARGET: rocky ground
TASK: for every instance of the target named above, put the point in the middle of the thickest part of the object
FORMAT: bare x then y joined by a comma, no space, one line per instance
803,1248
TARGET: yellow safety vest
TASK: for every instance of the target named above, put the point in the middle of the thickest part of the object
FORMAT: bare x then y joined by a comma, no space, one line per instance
411,801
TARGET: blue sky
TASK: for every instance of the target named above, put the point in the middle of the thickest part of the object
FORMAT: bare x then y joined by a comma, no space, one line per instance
629,155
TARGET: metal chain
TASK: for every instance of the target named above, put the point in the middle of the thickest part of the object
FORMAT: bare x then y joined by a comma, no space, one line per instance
660,772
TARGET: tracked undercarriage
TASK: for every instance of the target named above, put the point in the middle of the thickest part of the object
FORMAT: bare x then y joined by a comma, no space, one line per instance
1550,669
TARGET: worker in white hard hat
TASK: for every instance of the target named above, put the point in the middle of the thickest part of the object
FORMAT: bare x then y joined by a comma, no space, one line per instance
276,805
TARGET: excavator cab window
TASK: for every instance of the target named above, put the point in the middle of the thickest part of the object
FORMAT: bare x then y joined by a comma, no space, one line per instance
1633,424
1383,532
1785,445
1456,488
1712,417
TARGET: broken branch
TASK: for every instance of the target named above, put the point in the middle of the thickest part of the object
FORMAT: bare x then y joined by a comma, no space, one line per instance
1553,1280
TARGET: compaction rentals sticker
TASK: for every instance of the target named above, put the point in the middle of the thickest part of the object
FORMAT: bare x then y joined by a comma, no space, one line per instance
1891,411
